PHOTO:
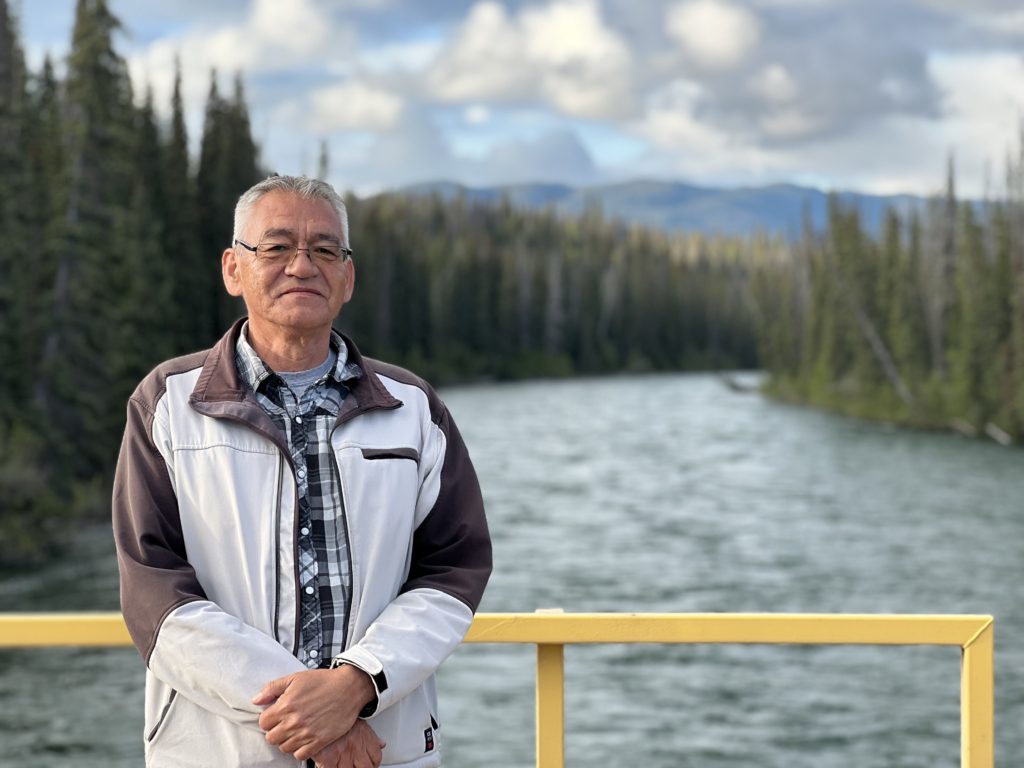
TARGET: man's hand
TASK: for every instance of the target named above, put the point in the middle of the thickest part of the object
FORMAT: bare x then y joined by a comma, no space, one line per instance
310,710
359,748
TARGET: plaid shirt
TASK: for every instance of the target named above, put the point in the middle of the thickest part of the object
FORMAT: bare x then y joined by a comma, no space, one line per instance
323,549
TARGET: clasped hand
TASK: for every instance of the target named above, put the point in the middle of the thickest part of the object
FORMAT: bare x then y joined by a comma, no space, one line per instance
315,714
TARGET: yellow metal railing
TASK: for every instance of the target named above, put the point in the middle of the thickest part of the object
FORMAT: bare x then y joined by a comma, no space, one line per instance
552,631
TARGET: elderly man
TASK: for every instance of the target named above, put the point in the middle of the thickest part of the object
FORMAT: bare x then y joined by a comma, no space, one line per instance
300,532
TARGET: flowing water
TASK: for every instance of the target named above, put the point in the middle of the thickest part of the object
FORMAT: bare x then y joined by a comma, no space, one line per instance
658,493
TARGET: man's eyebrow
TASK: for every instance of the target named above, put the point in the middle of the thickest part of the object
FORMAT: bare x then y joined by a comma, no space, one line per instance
279,233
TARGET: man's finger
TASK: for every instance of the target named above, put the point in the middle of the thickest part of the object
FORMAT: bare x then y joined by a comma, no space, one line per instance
271,691
308,750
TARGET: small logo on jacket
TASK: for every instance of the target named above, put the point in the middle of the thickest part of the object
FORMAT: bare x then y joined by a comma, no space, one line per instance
428,739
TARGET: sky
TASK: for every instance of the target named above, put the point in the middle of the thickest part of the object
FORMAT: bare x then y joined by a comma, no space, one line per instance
866,95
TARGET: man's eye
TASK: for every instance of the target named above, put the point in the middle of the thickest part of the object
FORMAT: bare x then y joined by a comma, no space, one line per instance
275,248
326,252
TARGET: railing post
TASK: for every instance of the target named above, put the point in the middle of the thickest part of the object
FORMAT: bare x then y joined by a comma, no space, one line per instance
977,701
550,705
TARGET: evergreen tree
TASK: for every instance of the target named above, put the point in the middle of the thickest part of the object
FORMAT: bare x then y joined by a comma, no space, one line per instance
46,207
190,268
17,251
213,206
99,132
141,324
228,165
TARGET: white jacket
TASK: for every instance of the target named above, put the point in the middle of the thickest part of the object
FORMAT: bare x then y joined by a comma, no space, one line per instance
204,513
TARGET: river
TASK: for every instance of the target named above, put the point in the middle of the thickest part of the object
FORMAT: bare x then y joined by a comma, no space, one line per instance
658,493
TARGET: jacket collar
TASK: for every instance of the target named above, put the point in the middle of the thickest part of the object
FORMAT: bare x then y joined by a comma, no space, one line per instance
220,382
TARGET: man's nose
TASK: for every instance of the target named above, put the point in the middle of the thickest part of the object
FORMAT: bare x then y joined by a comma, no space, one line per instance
301,264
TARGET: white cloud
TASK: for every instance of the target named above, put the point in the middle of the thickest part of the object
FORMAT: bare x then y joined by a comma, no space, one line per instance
354,105
275,30
485,60
672,127
561,53
984,105
984,102
584,65
272,36
715,34
1008,23
788,123
774,84
476,114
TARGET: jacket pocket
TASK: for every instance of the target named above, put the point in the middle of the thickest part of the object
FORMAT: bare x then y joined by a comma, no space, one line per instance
391,453
164,717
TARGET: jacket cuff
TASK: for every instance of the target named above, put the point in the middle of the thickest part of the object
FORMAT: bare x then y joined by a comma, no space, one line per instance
368,663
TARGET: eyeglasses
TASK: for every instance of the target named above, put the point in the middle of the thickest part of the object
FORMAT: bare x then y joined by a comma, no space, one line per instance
284,253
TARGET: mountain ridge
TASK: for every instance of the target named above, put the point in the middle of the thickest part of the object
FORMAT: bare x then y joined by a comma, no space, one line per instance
775,209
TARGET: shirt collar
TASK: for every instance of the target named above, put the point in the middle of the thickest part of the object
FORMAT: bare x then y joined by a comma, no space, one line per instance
255,372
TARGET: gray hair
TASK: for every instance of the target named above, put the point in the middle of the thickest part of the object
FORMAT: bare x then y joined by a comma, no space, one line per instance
310,189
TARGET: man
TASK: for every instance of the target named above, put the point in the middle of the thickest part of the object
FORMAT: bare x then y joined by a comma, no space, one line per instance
299,529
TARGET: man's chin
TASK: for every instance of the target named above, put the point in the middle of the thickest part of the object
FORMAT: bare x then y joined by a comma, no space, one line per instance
303,321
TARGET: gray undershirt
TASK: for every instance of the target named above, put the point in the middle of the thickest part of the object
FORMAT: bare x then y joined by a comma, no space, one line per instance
299,381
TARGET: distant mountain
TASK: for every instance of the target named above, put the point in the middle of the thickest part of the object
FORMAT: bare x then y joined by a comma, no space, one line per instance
774,209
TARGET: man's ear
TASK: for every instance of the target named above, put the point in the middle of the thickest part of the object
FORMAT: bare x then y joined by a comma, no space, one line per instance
229,268
350,267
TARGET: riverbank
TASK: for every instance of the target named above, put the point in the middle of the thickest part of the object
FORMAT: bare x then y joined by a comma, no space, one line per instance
883,406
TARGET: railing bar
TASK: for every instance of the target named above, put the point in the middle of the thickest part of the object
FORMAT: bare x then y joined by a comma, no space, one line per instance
825,629
551,631
20,630
977,703
550,706
981,630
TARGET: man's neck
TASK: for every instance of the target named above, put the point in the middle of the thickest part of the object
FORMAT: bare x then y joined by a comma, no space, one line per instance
290,350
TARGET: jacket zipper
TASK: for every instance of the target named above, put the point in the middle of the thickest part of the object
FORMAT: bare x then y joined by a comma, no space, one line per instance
277,547
348,545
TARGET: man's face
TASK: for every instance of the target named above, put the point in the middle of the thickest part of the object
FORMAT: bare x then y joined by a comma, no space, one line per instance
303,295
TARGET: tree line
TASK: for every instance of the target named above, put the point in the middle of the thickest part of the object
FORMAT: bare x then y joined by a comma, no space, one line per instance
110,242
922,326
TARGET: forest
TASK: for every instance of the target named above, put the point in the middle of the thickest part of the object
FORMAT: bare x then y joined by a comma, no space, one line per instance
112,231
923,326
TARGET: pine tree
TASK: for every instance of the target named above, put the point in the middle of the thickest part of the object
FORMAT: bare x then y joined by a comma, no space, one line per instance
46,206
228,165
16,254
188,267
99,138
141,324
214,214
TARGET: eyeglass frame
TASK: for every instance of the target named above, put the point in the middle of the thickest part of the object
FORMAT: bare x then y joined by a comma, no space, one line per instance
344,255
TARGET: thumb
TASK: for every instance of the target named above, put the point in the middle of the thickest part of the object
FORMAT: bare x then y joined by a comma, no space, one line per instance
271,691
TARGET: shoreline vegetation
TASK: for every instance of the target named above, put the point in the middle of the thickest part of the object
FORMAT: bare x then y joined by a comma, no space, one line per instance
922,327
112,233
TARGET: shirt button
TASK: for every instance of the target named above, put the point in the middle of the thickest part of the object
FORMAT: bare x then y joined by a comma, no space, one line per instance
314,653
304,531
298,419
301,473
309,590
